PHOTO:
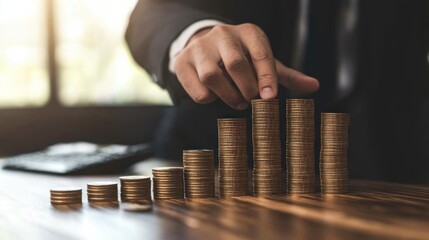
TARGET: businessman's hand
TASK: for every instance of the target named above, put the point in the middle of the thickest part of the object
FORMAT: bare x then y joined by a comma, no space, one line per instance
236,64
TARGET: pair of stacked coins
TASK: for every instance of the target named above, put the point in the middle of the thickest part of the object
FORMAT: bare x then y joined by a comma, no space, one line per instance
167,183
103,193
300,137
232,155
135,189
198,168
267,168
333,153
66,196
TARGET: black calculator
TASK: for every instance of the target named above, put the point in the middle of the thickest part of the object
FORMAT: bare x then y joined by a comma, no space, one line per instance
80,158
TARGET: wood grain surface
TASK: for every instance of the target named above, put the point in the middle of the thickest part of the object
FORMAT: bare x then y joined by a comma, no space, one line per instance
372,210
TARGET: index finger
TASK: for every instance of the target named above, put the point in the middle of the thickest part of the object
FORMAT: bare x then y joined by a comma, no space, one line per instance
263,61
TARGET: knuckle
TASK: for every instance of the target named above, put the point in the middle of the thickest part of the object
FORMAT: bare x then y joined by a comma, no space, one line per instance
255,31
234,62
220,29
209,76
249,27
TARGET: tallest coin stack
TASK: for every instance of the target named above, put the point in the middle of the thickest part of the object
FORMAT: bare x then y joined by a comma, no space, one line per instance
267,168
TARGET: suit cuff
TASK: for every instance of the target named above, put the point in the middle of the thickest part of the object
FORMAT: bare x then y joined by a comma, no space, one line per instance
180,42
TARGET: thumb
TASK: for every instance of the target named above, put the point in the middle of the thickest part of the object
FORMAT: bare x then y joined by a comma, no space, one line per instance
296,81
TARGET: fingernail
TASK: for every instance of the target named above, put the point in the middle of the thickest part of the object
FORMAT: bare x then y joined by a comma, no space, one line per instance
266,92
242,106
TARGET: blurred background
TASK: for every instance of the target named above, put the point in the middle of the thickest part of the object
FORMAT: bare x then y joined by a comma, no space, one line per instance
67,75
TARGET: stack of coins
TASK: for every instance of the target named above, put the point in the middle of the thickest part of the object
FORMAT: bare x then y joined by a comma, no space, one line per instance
102,193
300,137
66,196
167,183
199,173
333,153
135,189
267,168
232,154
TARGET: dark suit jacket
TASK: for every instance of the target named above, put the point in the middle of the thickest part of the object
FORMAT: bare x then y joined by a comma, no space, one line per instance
390,100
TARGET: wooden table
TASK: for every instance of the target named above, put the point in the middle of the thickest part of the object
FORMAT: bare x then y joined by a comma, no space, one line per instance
373,210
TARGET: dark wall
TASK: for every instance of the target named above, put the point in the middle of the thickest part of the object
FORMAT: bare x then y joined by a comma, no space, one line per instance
24,130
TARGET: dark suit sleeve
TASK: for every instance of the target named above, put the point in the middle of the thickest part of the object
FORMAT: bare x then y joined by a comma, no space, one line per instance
153,26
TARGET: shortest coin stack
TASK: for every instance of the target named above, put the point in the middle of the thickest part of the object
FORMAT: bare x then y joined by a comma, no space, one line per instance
66,196
167,183
333,153
102,193
135,189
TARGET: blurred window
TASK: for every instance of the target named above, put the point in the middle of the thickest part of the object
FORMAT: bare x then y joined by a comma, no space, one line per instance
93,64
24,77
